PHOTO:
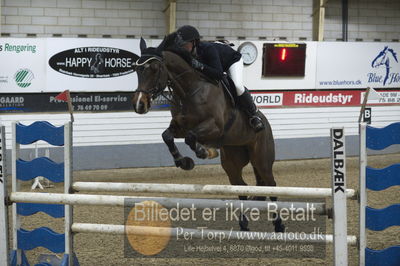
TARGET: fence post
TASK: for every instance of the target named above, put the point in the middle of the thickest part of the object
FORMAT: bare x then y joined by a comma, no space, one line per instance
338,160
4,249
363,194
67,189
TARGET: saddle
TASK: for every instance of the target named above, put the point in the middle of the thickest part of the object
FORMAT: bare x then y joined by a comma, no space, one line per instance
229,88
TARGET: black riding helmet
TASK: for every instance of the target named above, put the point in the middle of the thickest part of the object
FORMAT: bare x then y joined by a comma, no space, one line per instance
188,33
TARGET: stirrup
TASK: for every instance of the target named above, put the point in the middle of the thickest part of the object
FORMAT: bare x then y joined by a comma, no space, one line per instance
256,123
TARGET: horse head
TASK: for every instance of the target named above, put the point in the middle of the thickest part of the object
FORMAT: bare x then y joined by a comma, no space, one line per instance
152,77
381,58
156,67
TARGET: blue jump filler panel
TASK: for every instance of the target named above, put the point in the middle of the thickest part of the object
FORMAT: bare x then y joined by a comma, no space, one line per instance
391,174
28,170
43,166
379,180
40,130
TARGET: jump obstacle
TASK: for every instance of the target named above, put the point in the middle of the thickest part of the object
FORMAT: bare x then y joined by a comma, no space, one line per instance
60,205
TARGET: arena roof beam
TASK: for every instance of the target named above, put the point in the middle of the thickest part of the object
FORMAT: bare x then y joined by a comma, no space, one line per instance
170,14
318,19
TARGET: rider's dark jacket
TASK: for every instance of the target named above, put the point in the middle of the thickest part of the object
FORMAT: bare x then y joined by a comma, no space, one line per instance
217,58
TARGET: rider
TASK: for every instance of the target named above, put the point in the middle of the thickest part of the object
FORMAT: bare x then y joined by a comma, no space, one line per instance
215,60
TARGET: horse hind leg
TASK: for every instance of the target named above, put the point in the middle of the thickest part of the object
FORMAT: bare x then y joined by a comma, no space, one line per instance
206,130
268,180
191,141
233,159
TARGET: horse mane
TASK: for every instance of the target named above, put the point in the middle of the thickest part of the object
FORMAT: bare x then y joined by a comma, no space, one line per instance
185,55
172,54
170,44
200,75
393,53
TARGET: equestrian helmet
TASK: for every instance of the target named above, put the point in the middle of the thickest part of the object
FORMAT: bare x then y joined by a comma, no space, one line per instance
188,33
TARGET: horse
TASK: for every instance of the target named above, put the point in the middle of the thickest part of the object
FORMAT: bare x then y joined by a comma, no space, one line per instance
205,117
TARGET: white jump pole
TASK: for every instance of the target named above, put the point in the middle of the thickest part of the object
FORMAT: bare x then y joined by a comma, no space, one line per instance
4,248
201,233
111,200
226,190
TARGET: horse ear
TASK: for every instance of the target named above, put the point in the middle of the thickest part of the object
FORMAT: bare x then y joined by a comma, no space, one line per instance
143,44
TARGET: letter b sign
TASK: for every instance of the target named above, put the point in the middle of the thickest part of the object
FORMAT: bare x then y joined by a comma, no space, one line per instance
367,115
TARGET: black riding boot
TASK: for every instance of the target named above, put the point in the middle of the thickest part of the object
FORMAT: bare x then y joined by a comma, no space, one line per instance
247,103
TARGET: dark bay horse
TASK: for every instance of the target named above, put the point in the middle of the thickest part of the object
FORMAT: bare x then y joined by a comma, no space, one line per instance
204,116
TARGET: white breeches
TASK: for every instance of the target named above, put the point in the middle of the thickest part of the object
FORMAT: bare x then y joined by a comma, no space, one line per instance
236,74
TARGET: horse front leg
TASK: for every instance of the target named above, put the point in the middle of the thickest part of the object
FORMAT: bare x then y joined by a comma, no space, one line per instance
207,130
185,163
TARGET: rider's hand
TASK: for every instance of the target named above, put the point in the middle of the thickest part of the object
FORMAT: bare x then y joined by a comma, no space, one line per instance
197,65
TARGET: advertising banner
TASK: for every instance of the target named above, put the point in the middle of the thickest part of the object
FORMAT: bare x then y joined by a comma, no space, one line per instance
22,67
91,65
358,65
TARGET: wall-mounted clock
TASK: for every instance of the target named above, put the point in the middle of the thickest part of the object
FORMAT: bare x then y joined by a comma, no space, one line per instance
249,52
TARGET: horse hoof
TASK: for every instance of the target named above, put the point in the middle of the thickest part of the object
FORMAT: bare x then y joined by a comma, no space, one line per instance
201,153
244,229
185,163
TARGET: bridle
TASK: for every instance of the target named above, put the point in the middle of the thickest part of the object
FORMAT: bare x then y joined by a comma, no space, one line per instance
157,89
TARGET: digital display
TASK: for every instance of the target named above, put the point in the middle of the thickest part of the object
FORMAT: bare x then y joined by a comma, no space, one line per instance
284,59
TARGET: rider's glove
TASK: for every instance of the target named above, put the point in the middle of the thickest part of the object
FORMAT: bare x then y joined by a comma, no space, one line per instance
197,65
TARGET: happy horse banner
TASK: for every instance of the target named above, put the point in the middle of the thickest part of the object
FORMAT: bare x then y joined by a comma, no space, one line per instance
91,64
56,64
358,65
